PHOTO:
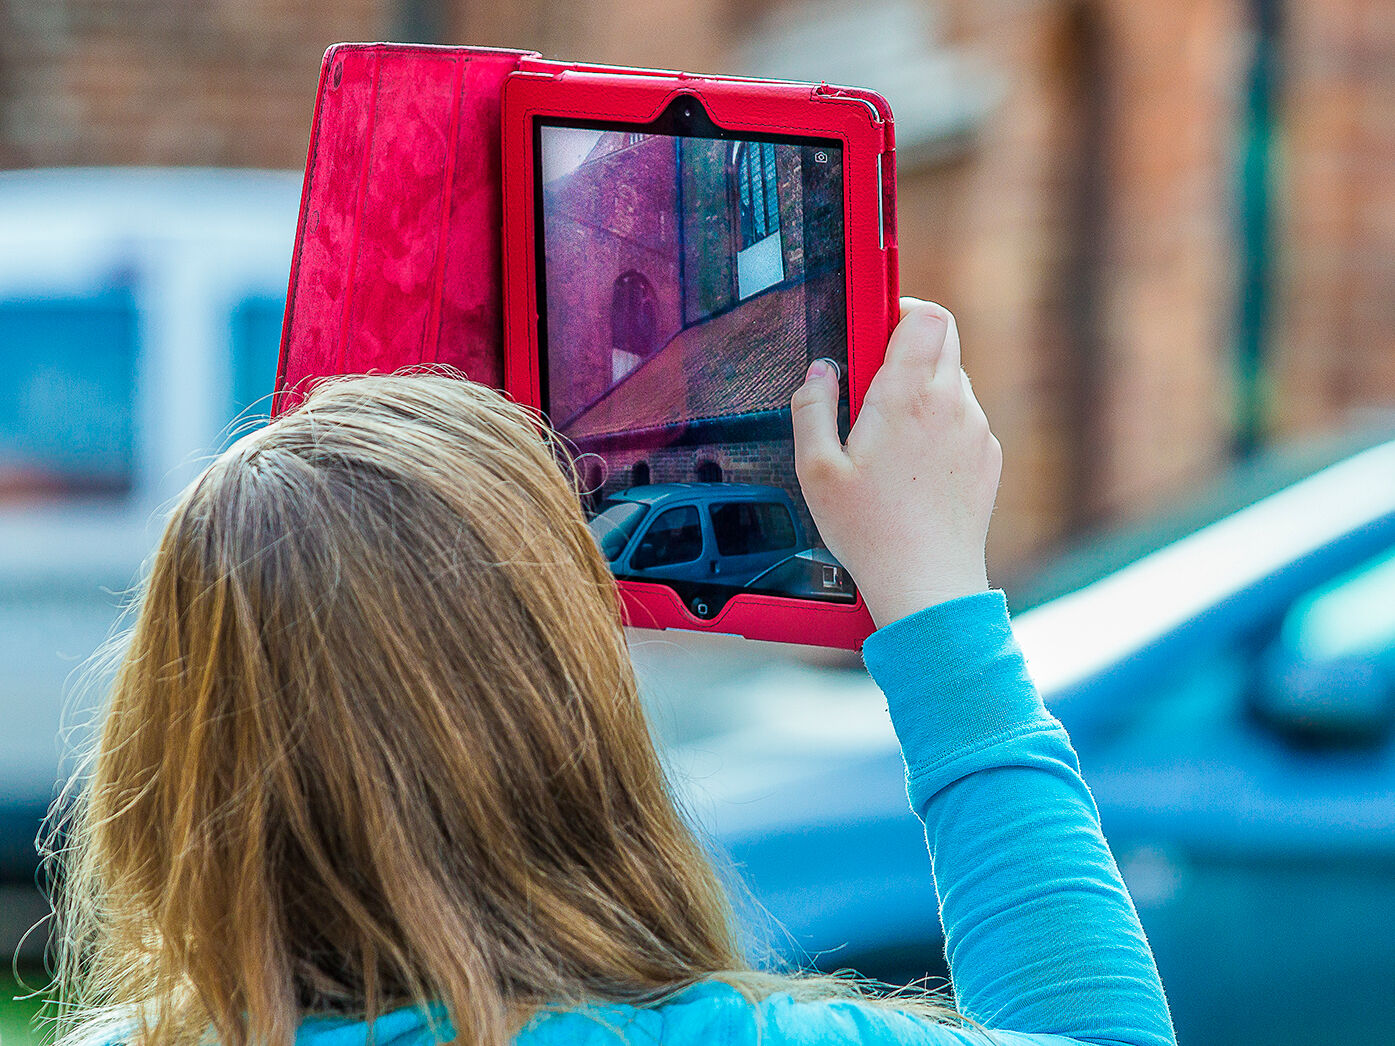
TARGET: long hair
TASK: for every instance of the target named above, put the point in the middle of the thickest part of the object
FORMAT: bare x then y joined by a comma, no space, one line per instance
376,741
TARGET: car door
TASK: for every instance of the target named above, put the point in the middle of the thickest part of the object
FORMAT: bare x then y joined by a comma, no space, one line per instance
671,547
749,537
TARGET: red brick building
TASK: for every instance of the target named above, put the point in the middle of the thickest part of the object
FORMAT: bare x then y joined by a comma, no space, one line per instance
1167,229
614,265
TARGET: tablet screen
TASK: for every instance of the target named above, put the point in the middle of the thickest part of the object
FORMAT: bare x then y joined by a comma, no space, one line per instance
685,283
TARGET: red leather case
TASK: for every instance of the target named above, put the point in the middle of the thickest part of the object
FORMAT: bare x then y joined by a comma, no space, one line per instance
397,252
862,121
399,258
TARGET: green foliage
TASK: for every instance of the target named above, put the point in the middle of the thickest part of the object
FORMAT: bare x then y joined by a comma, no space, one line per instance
19,1007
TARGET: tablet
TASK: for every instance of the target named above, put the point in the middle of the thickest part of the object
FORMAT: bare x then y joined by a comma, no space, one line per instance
677,250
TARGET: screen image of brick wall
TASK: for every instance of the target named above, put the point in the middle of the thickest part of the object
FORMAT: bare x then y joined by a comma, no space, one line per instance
689,283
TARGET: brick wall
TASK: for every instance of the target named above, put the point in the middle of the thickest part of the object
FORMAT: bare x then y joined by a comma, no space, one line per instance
1335,339
1101,185
167,82
1084,244
615,215
765,463
1086,238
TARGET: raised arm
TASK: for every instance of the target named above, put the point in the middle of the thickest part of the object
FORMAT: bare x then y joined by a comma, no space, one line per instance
1040,932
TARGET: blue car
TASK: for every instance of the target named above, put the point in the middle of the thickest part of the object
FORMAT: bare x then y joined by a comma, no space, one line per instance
709,539
1232,697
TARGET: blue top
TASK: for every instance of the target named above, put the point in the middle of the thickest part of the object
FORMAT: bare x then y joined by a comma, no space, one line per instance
1043,942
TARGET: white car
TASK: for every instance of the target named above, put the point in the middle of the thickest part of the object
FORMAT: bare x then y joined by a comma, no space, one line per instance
140,313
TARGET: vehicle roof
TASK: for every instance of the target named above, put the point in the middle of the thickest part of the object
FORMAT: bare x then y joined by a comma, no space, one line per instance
1084,647
75,225
1096,553
656,493
1102,659
1145,667
128,196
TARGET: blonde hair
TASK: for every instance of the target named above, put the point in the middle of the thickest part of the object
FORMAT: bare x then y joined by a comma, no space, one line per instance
376,741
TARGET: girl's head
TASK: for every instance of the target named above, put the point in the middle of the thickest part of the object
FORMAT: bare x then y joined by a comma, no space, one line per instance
376,740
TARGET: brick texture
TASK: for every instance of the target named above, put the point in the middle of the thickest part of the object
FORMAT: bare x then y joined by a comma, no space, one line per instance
1336,335
1087,237
167,82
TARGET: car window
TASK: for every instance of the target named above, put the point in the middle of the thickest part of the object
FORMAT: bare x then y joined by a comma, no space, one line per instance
744,528
1352,617
256,351
614,524
674,537
67,396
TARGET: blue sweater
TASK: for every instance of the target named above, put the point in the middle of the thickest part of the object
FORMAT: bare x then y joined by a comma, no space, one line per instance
1043,942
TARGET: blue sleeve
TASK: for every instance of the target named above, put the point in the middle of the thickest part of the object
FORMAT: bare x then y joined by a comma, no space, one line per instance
1041,935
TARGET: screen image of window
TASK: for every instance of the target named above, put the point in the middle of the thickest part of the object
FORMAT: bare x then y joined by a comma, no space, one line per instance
760,261
745,528
675,537
633,323
614,524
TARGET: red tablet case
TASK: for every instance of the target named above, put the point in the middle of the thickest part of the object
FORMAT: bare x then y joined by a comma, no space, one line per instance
397,253
400,253
862,121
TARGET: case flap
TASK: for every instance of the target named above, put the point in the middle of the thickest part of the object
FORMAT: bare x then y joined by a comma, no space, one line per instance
397,255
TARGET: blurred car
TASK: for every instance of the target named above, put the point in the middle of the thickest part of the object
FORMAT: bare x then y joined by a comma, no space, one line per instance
1232,698
140,313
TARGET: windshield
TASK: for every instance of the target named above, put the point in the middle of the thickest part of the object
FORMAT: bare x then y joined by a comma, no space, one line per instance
614,525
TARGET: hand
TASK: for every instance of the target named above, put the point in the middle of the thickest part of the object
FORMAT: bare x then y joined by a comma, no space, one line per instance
905,505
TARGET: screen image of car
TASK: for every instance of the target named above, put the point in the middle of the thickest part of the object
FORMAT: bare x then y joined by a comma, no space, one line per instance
687,284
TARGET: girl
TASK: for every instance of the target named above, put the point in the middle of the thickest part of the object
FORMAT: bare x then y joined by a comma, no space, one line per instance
374,768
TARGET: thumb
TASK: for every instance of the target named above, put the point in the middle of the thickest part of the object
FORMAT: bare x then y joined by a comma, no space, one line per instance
814,411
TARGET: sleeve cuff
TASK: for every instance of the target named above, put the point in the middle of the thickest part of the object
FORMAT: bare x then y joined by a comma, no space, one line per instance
956,685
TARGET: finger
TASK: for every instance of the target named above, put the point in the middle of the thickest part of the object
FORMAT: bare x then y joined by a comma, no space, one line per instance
814,411
972,407
948,365
918,340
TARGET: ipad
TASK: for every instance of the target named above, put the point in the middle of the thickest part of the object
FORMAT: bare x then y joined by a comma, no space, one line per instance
687,248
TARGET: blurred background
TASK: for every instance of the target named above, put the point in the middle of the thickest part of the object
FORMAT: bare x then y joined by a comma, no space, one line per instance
1168,233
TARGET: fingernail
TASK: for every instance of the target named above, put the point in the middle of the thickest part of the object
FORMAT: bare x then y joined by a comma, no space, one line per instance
824,365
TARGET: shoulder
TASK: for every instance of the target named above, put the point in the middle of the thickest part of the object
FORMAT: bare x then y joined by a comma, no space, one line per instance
110,1029
714,1012
722,1014
800,1022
